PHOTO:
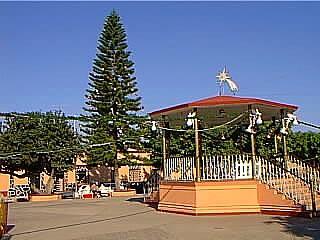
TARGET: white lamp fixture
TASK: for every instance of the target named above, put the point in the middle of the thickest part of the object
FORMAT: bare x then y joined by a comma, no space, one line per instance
190,119
284,131
255,119
250,129
258,117
223,137
293,118
154,126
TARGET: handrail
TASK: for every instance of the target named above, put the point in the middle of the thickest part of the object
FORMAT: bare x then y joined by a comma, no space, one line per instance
152,183
286,181
307,171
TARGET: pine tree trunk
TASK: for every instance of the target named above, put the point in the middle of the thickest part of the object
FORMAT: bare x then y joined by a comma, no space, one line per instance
33,184
116,172
50,183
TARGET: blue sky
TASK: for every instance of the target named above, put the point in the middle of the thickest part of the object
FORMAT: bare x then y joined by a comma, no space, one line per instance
271,48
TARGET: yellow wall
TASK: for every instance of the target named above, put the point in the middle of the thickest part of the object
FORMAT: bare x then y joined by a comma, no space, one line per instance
71,176
144,172
80,161
124,173
19,181
4,182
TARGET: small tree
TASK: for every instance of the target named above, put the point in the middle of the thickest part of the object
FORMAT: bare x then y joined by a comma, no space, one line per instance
112,101
36,143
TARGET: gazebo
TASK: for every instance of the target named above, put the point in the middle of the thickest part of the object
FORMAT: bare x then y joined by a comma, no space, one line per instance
229,184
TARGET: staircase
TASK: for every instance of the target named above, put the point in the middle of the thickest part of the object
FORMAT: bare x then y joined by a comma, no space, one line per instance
297,181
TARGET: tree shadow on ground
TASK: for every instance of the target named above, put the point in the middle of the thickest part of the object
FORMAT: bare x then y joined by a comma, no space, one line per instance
298,226
5,237
141,200
55,228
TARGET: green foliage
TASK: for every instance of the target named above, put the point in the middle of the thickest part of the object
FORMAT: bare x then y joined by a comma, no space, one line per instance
221,141
304,145
234,140
181,143
28,140
112,101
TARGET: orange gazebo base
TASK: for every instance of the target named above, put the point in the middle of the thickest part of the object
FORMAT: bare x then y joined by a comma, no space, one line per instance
224,197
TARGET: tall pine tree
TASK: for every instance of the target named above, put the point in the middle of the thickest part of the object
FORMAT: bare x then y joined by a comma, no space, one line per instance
112,101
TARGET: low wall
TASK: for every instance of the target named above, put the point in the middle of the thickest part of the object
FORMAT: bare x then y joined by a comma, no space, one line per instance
129,193
43,198
221,197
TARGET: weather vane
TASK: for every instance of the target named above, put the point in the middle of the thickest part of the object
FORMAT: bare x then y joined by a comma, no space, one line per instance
225,77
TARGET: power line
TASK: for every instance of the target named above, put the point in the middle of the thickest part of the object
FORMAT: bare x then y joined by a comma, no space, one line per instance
201,130
308,124
16,154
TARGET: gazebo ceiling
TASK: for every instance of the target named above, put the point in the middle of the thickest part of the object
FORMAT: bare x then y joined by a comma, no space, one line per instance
220,109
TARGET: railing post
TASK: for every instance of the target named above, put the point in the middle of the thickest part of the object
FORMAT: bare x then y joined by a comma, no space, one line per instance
313,197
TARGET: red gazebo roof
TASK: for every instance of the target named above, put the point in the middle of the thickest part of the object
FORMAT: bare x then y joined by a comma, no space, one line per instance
210,107
222,101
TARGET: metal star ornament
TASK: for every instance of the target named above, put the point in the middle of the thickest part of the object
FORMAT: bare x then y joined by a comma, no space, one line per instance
225,77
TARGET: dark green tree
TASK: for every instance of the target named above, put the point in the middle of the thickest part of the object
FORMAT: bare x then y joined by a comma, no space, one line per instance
35,143
112,101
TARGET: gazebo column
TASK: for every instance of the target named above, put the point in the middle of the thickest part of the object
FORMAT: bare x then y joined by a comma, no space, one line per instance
253,142
164,141
275,144
253,152
275,140
284,139
197,145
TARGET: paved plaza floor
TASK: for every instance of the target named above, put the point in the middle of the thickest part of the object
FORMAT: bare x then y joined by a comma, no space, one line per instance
122,218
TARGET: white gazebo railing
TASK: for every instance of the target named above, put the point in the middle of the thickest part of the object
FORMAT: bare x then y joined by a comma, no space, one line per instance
220,167
179,169
224,167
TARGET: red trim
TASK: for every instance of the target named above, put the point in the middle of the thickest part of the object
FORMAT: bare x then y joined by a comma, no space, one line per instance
225,100
285,213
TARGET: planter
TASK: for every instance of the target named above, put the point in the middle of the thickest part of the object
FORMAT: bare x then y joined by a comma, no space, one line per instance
44,197
127,193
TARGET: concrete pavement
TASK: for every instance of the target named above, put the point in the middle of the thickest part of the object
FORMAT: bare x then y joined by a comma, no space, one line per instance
122,218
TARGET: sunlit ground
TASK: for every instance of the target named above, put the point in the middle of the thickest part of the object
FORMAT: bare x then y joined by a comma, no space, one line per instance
122,218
